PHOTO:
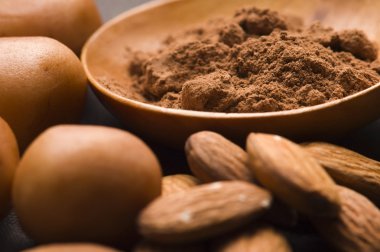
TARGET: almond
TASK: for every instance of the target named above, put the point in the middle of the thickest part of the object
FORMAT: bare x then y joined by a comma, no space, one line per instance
349,168
356,228
260,239
203,211
211,158
292,175
178,183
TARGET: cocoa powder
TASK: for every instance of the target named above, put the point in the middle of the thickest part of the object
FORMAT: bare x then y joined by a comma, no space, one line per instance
256,61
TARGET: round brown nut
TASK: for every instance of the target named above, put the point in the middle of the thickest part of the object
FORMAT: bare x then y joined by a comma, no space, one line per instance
85,183
42,83
70,22
9,158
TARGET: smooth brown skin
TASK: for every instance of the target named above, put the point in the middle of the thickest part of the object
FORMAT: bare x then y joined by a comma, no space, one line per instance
69,21
105,59
9,158
42,83
85,183
79,247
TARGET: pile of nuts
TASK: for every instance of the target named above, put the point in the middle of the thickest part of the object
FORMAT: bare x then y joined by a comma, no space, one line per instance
237,197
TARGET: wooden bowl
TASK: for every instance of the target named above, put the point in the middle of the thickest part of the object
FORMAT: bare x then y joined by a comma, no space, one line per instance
105,60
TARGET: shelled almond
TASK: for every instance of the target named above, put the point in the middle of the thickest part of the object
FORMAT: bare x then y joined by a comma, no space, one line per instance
356,228
292,175
349,168
261,238
211,157
203,211
178,183
232,215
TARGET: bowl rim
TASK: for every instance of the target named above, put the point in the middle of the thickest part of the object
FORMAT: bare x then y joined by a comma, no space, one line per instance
182,112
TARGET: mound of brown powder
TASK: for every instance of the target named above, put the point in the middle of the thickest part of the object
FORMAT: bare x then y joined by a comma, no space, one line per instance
256,61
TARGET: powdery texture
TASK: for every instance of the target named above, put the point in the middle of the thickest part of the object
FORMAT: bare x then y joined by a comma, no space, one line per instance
256,61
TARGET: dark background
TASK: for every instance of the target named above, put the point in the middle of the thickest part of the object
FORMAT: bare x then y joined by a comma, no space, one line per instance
365,141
